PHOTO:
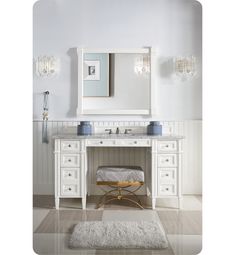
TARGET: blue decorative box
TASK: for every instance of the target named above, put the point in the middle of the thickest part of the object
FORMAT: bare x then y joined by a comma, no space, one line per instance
84,128
154,128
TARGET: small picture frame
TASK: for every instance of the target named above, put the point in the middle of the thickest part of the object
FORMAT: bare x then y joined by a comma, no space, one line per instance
92,70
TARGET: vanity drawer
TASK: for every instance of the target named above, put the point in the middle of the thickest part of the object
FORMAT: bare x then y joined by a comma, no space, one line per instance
69,146
167,190
167,175
133,142
167,146
69,190
70,160
167,160
68,174
101,142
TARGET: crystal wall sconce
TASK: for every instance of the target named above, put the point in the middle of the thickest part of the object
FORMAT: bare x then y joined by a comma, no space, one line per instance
142,65
185,67
46,66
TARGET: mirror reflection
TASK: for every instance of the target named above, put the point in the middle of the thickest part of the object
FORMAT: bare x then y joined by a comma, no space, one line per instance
107,74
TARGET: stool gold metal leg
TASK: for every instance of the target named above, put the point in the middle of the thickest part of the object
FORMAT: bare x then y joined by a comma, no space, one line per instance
101,203
125,198
117,194
131,192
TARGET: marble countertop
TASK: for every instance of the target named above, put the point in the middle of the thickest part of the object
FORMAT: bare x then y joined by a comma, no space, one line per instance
118,136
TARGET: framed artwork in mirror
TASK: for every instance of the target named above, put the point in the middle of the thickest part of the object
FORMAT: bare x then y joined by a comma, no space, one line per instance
96,69
91,70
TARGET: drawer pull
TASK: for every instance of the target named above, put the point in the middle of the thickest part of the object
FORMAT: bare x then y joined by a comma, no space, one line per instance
167,146
135,142
69,160
70,174
167,160
70,189
101,142
167,188
167,174
69,145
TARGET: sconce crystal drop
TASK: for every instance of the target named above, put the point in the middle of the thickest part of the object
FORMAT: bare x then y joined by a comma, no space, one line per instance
47,66
142,65
185,67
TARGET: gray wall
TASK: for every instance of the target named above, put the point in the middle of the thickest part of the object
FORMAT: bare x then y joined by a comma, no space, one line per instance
172,26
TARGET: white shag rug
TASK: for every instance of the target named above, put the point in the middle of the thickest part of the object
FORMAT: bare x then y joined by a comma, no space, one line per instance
118,234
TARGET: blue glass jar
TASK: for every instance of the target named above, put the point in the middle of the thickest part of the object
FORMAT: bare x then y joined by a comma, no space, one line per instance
84,128
154,128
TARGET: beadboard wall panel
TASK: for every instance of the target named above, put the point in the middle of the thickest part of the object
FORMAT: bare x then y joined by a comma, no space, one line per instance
43,168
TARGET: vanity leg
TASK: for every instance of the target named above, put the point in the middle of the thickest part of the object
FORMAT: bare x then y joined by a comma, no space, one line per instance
84,203
153,203
57,203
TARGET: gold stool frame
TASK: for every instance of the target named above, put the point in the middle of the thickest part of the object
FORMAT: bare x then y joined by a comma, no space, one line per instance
118,188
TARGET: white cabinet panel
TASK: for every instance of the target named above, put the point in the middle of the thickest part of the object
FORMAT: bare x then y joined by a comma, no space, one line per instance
70,160
133,142
167,160
167,190
69,190
70,146
167,146
167,175
70,174
100,142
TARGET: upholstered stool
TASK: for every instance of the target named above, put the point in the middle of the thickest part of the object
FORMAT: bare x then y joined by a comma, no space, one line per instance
119,178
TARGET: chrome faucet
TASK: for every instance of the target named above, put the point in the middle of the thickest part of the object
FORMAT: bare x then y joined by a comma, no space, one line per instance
117,131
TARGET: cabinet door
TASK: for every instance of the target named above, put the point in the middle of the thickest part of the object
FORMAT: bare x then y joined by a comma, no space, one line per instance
70,160
167,190
167,160
69,190
167,146
70,174
70,146
167,175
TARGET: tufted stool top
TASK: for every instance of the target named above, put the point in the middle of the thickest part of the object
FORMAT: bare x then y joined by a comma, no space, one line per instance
118,174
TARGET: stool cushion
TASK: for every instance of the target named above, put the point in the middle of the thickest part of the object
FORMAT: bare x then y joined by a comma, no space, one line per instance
119,174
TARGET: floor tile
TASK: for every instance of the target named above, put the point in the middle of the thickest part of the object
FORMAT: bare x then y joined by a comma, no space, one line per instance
38,215
130,215
63,221
199,197
44,243
185,244
181,222
167,251
189,203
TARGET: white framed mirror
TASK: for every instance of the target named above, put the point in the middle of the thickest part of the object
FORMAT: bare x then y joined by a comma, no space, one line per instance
114,81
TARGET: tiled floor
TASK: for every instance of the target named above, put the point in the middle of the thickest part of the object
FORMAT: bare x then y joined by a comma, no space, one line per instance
52,228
